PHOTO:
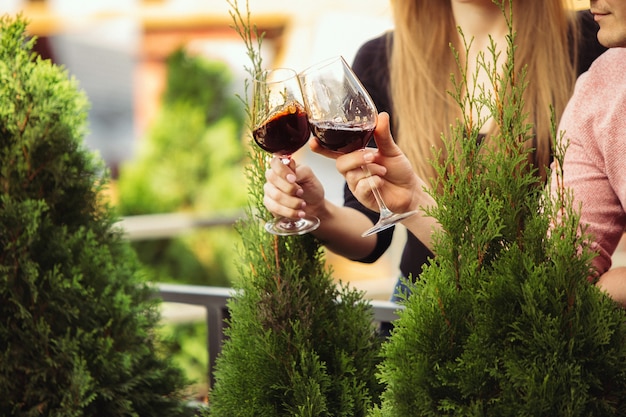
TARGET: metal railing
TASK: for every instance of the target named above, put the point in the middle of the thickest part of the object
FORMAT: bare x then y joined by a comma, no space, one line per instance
168,225
213,299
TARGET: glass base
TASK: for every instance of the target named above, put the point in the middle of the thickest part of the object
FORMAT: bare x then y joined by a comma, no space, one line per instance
289,227
386,222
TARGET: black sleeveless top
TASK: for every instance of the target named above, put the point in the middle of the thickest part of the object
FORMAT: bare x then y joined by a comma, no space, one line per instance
372,67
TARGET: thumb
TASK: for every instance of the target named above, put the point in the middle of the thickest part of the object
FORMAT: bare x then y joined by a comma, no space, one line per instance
382,135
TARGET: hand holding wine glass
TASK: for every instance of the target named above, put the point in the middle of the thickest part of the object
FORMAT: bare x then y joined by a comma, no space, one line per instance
342,117
280,127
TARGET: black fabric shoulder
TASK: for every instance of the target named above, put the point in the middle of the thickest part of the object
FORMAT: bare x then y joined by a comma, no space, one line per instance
371,65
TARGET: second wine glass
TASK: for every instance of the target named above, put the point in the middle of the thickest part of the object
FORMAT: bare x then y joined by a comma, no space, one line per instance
280,127
342,117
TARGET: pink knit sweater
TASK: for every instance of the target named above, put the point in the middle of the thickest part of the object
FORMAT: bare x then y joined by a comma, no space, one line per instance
594,122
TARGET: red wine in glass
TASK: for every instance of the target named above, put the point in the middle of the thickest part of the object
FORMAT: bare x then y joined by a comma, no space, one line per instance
342,137
343,117
284,132
280,126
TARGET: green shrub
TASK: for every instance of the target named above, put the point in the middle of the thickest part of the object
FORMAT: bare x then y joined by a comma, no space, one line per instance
504,322
77,336
298,345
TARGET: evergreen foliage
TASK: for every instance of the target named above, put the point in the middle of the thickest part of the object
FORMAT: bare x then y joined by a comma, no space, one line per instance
298,344
191,160
78,318
192,155
504,322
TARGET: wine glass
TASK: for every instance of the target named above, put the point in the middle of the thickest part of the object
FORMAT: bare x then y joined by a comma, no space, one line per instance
342,117
280,127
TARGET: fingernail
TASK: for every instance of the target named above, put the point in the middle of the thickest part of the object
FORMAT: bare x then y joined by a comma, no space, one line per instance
368,157
299,192
291,178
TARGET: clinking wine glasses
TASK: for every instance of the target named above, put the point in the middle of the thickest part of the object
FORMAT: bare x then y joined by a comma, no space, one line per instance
280,127
343,117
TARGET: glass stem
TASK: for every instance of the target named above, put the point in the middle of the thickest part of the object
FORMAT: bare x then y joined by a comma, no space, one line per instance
384,210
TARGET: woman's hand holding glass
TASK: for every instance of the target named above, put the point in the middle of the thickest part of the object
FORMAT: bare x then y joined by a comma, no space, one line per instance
280,126
343,117
390,171
292,190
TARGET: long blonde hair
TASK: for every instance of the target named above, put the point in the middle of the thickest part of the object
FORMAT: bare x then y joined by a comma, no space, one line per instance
421,63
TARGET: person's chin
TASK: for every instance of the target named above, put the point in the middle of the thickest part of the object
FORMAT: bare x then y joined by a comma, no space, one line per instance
610,38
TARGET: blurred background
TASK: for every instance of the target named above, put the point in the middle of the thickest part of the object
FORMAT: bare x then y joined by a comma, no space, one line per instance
121,52
162,77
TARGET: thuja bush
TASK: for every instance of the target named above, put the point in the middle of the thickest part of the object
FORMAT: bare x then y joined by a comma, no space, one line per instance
77,330
504,322
298,344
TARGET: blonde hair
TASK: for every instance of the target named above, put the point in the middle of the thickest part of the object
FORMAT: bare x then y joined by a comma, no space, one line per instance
421,63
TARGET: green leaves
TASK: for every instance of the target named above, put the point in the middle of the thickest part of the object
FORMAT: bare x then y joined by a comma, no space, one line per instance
78,317
503,321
